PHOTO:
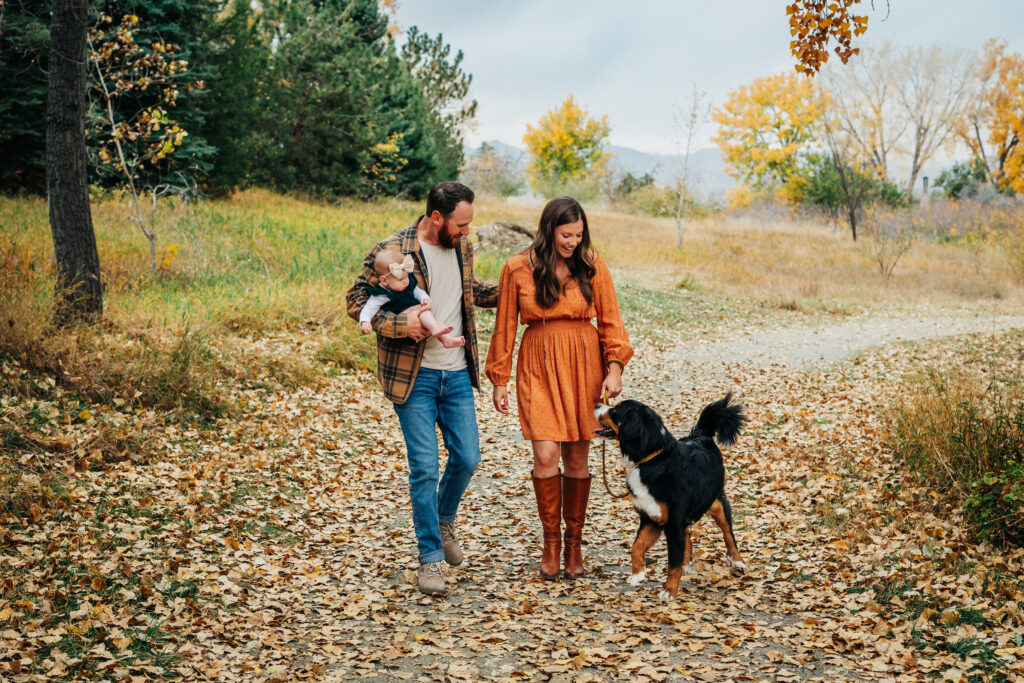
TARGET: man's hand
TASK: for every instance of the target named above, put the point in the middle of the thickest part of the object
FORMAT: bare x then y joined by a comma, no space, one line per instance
501,399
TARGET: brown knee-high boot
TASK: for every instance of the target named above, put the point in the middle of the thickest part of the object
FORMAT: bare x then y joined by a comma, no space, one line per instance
549,506
575,494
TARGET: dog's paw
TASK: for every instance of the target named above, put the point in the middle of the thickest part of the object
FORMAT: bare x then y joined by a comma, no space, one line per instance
637,579
736,564
689,569
666,596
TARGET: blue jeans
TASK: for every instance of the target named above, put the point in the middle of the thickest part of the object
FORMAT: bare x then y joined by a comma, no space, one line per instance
444,398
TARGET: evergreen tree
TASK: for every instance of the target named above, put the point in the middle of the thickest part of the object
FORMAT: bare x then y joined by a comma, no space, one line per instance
24,49
446,88
186,25
322,95
405,113
309,95
232,102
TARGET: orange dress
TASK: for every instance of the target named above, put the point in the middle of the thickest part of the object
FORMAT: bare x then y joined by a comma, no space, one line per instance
560,367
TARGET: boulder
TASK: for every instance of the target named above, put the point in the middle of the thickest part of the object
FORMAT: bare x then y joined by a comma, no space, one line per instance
503,237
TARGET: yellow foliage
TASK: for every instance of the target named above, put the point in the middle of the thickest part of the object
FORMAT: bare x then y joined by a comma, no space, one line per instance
386,161
566,145
999,112
765,124
1007,124
739,196
167,255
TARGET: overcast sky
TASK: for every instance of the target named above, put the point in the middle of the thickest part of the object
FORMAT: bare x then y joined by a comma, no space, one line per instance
637,61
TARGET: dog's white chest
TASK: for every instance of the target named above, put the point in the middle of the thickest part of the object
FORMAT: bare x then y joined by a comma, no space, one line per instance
641,497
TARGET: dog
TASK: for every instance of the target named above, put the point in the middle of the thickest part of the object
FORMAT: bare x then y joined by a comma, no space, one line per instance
673,483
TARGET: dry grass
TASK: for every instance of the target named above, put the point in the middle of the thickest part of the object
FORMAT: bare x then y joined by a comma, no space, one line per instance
788,262
238,271
804,262
962,431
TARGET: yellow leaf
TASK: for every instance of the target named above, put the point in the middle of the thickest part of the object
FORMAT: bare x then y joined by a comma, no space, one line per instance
85,415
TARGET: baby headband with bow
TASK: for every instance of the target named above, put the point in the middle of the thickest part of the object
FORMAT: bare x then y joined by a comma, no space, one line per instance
406,266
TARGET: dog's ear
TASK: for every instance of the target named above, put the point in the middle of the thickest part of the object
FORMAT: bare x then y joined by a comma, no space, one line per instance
631,429
641,430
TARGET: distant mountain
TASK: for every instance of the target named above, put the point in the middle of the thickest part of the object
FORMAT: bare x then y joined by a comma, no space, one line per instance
707,174
504,150
706,171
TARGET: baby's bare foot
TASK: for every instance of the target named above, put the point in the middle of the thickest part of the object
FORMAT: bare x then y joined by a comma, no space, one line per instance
450,342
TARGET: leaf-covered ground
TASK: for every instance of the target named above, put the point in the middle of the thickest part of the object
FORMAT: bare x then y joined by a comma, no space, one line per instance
279,547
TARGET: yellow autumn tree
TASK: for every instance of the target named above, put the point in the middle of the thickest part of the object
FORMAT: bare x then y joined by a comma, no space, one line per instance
566,146
993,124
763,126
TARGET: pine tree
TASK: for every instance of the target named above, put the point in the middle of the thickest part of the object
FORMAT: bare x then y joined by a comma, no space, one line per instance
185,25
446,88
232,105
24,50
322,95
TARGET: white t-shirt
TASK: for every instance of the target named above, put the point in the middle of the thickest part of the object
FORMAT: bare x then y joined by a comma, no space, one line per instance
445,291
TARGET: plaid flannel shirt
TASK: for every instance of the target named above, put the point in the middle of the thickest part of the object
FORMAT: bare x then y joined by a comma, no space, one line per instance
398,357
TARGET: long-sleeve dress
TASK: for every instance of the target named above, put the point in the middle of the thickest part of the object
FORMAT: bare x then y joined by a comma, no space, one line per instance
560,368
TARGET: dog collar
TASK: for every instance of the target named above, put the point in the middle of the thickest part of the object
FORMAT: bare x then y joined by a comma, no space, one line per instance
652,456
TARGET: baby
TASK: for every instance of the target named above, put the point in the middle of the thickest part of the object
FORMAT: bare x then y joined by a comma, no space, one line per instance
396,291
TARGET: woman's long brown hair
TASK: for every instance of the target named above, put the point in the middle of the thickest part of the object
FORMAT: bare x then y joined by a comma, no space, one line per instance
543,258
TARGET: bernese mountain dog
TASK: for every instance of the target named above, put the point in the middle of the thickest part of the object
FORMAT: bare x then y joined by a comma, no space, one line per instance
673,483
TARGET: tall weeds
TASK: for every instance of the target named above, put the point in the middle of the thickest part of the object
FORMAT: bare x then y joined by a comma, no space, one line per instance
964,435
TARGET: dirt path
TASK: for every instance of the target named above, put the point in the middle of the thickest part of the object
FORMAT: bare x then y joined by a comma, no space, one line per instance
804,346
338,601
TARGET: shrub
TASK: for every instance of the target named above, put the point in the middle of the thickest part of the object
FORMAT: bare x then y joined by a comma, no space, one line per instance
891,234
642,196
961,178
964,436
817,182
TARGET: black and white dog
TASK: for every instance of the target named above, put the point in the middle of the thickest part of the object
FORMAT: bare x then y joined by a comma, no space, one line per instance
673,483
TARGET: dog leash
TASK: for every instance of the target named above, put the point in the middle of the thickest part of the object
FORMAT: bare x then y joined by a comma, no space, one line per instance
604,466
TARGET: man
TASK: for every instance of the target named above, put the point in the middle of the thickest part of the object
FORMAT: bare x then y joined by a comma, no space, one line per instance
428,383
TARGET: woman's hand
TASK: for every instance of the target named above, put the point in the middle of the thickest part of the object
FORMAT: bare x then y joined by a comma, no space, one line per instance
501,399
612,381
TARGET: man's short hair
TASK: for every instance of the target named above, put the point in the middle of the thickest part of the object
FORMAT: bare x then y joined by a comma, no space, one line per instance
444,197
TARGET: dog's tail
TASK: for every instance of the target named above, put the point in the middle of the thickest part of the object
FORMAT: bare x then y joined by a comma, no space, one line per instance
720,420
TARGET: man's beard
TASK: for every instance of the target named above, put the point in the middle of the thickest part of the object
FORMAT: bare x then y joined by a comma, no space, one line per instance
445,238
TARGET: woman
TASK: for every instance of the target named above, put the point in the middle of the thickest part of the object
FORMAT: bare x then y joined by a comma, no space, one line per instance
557,287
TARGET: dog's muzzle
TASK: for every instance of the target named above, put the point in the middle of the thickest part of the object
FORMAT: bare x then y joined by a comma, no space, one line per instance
608,429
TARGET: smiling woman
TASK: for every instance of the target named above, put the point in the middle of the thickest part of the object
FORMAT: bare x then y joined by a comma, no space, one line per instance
557,287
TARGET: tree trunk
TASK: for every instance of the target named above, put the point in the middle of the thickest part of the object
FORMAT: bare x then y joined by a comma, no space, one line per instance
853,221
79,291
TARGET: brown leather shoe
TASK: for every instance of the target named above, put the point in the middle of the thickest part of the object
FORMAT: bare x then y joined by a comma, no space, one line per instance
450,544
549,506
430,578
575,494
